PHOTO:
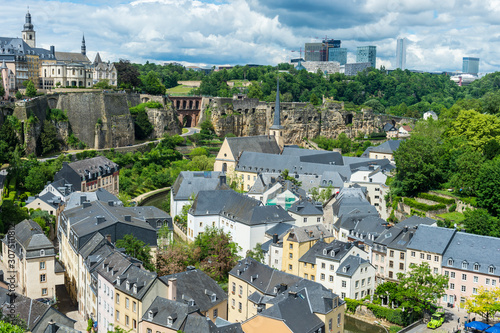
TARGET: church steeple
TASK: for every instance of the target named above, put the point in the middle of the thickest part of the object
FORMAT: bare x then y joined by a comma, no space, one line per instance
84,48
29,31
276,129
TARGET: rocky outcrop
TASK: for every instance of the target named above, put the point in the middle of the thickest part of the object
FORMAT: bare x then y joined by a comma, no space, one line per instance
164,121
248,116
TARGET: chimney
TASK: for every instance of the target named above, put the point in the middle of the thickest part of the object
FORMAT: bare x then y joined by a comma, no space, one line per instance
53,49
190,268
172,289
405,229
275,238
222,179
86,204
108,238
52,326
111,203
83,198
100,219
128,218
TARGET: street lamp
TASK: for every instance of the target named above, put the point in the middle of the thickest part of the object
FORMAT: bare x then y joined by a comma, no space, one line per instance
378,323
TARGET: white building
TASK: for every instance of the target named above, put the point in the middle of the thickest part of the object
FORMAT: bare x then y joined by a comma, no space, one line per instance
355,278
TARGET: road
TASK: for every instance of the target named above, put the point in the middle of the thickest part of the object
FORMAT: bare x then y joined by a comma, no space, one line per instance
192,130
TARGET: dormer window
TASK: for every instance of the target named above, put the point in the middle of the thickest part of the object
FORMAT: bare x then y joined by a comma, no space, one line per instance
150,315
135,288
191,302
332,253
118,280
128,285
170,321
465,264
450,262
42,252
213,298
476,266
324,252
491,269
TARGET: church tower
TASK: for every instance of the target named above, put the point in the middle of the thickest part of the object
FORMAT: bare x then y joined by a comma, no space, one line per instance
84,48
276,129
28,31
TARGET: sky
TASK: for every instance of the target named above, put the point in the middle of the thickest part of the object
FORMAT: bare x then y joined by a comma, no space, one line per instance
265,32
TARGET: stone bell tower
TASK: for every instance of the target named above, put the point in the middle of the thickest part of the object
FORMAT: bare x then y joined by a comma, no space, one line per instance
276,129
28,31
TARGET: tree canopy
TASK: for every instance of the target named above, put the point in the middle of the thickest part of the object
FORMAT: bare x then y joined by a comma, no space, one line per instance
485,303
137,249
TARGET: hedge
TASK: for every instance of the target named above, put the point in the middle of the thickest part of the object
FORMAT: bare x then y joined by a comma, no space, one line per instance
421,206
395,316
436,198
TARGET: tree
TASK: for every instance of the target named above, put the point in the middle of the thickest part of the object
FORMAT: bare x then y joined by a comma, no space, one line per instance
387,291
49,137
152,84
10,328
480,222
218,253
2,91
37,178
467,170
487,184
486,303
128,74
375,105
142,125
285,176
478,129
315,100
419,288
30,89
11,214
19,95
176,257
103,84
137,249
257,253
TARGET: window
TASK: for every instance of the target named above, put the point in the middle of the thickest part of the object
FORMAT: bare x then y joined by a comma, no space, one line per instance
391,264
306,276
290,255
344,284
318,219
233,303
134,324
493,282
487,281
332,268
234,288
290,267
401,266
42,278
134,306
305,219
241,290
401,255
464,265
331,278
422,256
452,286
362,282
476,279
44,291
117,315
369,281
291,246
201,224
127,303
390,275
216,313
413,254
240,306
452,275
491,269
391,254
435,270
356,295
117,298
42,265
357,284
330,324
474,291
376,257
429,257
322,277
436,258
464,277
126,320
339,318
149,330
463,289
312,277
323,265
445,298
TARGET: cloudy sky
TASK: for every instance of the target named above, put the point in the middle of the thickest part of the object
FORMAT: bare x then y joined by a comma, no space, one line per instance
213,32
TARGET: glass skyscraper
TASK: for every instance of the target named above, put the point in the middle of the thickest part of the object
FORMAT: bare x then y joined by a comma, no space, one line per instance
470,65
401,53
338,54
367,54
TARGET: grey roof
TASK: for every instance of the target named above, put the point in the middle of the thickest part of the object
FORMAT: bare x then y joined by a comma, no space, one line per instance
305,207
336,250
198,286
388,147
261,144
113,265
415,221
389,127
72,57
51,200
92,165
295,312
259,186
431,239
95,242
316,249
351,264
472,249
75,198
10,47
366,229
32,239
305,234
63,186
136,276
331,178
192,182
280,229
237,207
58,267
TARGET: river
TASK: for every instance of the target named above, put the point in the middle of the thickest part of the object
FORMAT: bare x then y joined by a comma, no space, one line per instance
353,325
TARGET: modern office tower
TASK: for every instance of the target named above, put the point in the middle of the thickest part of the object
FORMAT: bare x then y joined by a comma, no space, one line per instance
320,51
401,53
470,65
338,54
367,54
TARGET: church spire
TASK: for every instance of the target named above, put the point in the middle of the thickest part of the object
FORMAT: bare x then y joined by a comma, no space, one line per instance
84,48
277,122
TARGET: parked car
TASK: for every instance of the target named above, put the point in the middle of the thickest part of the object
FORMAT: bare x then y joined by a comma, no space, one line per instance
437,320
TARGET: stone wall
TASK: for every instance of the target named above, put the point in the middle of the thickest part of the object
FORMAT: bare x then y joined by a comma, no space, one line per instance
163,121
248,116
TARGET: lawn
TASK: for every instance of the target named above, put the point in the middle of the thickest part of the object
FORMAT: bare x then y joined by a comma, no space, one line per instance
238,83
453,216
180,90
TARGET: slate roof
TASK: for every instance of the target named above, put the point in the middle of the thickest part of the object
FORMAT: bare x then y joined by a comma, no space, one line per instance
415,221
351,264
332,178
431,239
313,252
389,127
10,47
369,228
305,207
388,147
75,198
305,234
286,185
72,57
63,186
31,237
259,186
280,229
339,248
50,200
470,248
198,286
92,165
192,182
237,207
113,265
136,275
261,144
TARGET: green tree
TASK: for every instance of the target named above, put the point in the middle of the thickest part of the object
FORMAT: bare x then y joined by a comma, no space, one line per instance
485,303
142,126
285,176
11,214
137,249
375,105
37,178
254,91
152,84
49,138
315,100
2,90
464,178
480,222
128,74
487,185
10,328
419,288
30,89
478,129
19,95
257,253
103,84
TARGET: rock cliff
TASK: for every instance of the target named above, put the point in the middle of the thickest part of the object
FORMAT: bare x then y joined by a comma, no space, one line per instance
164,121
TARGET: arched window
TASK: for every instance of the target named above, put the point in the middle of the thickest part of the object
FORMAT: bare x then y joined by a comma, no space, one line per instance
450,262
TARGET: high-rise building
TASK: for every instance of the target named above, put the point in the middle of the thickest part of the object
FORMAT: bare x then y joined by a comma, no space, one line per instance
367,54
470,65
401,53
338,54
320,51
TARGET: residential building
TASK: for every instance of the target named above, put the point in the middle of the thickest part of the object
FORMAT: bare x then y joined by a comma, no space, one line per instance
48,203
104,71
306,213
135,290
355,278
385,150
470,65
189,183
255,289
59,188
297,242
273,247
401,53
90,174
39,317
231,149
391,131
37,271
243,217
367,54
404,131
8,81
338,54
165,315
196,288
470,261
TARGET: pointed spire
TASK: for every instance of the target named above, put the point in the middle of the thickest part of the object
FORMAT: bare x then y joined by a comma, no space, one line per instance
3,64
277,123
84,48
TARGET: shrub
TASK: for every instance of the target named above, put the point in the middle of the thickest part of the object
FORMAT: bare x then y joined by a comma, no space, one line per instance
421,206
352,304
453,208
436,198
394,329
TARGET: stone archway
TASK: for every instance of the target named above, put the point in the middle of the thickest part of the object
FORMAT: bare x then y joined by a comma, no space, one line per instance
187,121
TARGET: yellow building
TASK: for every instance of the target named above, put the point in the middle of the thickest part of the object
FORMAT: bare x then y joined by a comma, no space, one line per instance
256,289
296,243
